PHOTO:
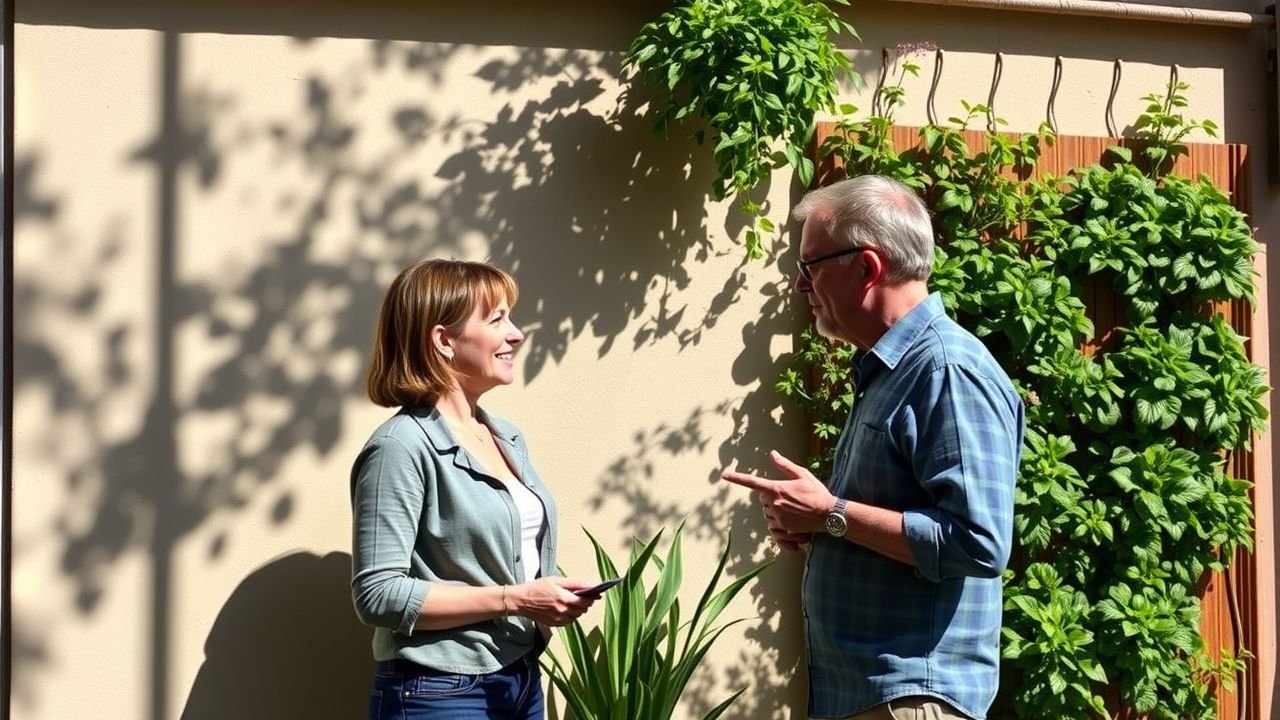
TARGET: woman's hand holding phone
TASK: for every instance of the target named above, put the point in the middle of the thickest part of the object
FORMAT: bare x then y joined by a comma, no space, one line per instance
596,591
552,601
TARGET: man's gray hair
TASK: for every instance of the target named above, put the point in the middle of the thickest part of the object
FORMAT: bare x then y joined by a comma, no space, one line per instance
875,211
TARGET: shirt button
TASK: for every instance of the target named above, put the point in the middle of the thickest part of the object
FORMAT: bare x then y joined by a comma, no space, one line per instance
517,558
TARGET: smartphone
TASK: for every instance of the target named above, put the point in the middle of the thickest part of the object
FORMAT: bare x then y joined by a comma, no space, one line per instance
597,590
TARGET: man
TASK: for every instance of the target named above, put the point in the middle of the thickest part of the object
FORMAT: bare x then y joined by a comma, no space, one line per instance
909,537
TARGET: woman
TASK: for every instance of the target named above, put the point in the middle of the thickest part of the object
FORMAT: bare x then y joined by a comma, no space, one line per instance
454,533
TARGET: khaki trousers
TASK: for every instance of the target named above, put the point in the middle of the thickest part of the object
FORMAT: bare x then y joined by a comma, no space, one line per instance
911,708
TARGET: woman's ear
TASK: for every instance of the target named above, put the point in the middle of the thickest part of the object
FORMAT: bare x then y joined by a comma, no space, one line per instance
441,341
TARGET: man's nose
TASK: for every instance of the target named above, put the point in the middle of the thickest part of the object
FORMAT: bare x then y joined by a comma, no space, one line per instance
802,285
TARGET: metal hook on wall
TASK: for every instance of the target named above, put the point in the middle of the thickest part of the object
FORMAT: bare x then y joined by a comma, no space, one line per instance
991,96
1111,101
876,110
1053,94
933,87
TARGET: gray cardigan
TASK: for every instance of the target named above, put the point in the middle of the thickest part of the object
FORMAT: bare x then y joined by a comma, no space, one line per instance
424,512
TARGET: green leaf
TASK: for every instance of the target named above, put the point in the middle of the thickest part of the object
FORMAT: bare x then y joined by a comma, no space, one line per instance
1093,671
1121,153
719,710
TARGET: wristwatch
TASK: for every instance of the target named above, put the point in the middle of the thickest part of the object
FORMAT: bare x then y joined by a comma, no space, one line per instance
836,524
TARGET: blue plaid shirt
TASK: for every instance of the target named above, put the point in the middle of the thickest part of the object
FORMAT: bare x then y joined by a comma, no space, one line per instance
935,432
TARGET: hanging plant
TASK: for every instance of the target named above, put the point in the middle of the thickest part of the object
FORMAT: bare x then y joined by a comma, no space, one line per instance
754,73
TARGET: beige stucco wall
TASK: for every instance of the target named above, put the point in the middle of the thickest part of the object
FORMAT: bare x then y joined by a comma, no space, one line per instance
210,198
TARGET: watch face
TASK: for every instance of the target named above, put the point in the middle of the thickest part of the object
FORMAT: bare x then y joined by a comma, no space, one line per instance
836,525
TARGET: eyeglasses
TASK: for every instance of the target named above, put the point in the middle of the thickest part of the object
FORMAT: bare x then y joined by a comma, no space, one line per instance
806,264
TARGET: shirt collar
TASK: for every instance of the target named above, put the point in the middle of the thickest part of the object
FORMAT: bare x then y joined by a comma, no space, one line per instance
904,333
437,431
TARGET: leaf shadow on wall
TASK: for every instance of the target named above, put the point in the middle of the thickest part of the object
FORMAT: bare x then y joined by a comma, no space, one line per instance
288,334
771,666
295,327
286,644
588,211
562,186
30,648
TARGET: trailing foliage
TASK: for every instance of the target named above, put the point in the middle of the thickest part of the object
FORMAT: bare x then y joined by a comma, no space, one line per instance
636,664
754,72
1123,499
822,385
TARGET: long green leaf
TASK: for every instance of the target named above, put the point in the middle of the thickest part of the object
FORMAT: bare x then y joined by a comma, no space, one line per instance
610,655
690,662
724,597
718,710
581,659
622,653
706,595
581,708
668,584
603,562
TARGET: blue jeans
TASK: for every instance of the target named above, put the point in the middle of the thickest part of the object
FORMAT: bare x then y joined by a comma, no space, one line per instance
403,690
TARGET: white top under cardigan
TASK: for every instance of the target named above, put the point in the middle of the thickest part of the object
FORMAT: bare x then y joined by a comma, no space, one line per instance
531,513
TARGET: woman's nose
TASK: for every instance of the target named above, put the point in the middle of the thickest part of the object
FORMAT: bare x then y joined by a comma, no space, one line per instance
515,336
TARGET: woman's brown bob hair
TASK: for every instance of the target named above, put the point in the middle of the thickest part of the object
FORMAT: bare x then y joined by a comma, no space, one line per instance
406,369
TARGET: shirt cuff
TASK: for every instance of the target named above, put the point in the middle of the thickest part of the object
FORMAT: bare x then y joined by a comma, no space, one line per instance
413,607
921,532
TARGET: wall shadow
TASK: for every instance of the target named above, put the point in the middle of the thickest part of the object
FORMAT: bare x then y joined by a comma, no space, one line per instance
772,666
493,22
561,183
565,211
566,196
286,644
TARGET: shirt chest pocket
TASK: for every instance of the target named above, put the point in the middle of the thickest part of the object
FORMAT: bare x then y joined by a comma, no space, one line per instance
874,469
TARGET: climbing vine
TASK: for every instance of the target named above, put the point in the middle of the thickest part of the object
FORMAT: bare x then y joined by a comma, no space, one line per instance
1124,500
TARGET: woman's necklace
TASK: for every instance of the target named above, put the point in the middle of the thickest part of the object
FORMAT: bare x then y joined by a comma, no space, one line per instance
479,434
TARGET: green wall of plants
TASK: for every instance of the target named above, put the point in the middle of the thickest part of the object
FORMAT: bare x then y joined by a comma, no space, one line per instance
1123,501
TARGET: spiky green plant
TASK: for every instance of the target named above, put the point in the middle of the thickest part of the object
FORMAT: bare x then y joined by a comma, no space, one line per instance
636,664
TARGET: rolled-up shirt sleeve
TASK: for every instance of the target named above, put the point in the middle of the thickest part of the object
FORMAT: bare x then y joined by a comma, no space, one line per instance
968,440
387,496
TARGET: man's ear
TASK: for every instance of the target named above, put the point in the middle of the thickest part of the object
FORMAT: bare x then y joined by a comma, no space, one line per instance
442,342
874,265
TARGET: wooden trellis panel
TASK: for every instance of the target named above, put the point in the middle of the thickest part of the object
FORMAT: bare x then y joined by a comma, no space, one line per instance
1235,594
